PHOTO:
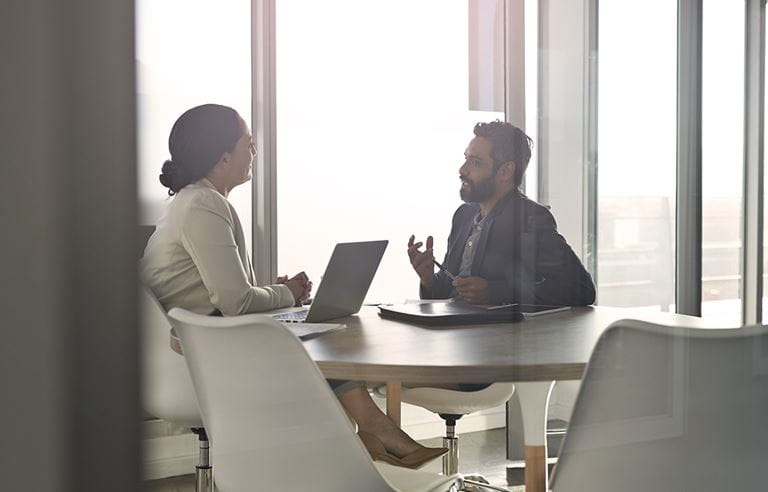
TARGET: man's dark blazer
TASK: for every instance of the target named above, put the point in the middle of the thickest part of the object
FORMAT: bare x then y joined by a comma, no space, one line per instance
519,253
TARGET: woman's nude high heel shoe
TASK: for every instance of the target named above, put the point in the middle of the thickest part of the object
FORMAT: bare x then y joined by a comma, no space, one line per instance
416,459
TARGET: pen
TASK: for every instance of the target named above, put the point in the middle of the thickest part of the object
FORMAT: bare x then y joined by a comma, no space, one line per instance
442,268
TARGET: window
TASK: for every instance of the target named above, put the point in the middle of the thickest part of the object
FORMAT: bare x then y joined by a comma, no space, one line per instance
722,159
637,149
371,130
188,53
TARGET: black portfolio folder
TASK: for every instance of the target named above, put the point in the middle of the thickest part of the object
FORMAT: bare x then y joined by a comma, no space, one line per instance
449,313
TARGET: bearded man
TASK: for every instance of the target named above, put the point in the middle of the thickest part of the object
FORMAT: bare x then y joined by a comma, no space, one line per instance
503,247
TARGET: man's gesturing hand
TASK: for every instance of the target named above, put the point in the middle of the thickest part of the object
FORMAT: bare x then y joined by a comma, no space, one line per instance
422,262
473,290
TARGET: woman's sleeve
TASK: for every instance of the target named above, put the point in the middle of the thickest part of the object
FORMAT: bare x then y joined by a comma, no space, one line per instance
207,235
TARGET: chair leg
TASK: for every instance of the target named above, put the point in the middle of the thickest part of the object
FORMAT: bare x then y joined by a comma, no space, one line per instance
451,458
203,470
450,441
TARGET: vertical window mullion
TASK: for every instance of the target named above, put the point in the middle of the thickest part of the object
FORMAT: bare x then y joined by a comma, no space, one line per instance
562,109
754,103
688,265
515,113
590,138
514,62
264,201
542,168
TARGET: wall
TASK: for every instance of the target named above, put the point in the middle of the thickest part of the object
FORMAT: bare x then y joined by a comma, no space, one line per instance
68,360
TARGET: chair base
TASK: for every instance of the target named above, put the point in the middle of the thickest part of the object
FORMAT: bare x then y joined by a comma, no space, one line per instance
203,479
478,483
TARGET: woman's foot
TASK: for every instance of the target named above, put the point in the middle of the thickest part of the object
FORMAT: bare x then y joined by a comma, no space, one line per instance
393,438
415,459
381,433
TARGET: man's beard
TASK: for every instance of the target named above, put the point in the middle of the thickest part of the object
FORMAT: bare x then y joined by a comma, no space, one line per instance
477,192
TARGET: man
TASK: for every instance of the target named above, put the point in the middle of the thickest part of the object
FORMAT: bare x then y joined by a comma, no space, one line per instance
503,247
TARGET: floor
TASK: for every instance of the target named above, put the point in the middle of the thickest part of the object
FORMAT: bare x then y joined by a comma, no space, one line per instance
479,452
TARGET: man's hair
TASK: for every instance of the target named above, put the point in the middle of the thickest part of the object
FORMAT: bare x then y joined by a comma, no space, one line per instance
509,143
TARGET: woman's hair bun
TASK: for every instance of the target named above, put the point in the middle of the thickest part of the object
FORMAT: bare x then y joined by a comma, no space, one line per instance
170,176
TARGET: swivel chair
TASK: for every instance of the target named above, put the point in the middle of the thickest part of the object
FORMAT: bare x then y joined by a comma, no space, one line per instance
669,408
167,391
274,422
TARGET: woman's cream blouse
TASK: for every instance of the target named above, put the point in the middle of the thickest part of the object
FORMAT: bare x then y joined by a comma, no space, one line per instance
196,259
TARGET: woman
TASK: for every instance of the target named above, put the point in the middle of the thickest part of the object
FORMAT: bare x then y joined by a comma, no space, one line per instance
196,259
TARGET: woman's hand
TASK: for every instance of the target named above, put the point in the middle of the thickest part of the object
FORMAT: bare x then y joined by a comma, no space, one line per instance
300,287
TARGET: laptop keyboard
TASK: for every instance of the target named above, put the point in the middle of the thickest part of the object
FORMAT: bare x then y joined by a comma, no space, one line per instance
292,317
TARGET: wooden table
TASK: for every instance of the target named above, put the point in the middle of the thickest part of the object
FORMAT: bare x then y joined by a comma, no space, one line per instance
533,353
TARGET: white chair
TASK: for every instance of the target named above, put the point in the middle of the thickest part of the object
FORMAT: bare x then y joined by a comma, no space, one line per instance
167,391
273,420
670,409
451,405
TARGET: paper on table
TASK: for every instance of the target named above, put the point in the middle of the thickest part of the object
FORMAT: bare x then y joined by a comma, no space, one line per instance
428,301
307,331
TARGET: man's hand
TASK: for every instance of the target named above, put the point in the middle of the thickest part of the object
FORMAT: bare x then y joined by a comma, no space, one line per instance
422,262
300,286
473,290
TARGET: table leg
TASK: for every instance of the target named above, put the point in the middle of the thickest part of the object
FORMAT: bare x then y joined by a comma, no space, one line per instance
393,401
534,399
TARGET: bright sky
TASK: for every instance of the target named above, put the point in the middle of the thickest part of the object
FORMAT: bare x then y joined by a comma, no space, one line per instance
189,52
637,97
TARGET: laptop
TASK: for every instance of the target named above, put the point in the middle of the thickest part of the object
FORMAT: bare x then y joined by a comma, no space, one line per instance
344,285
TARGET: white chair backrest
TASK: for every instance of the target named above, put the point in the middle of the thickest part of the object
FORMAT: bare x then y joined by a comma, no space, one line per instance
670,408
167,390
273,421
